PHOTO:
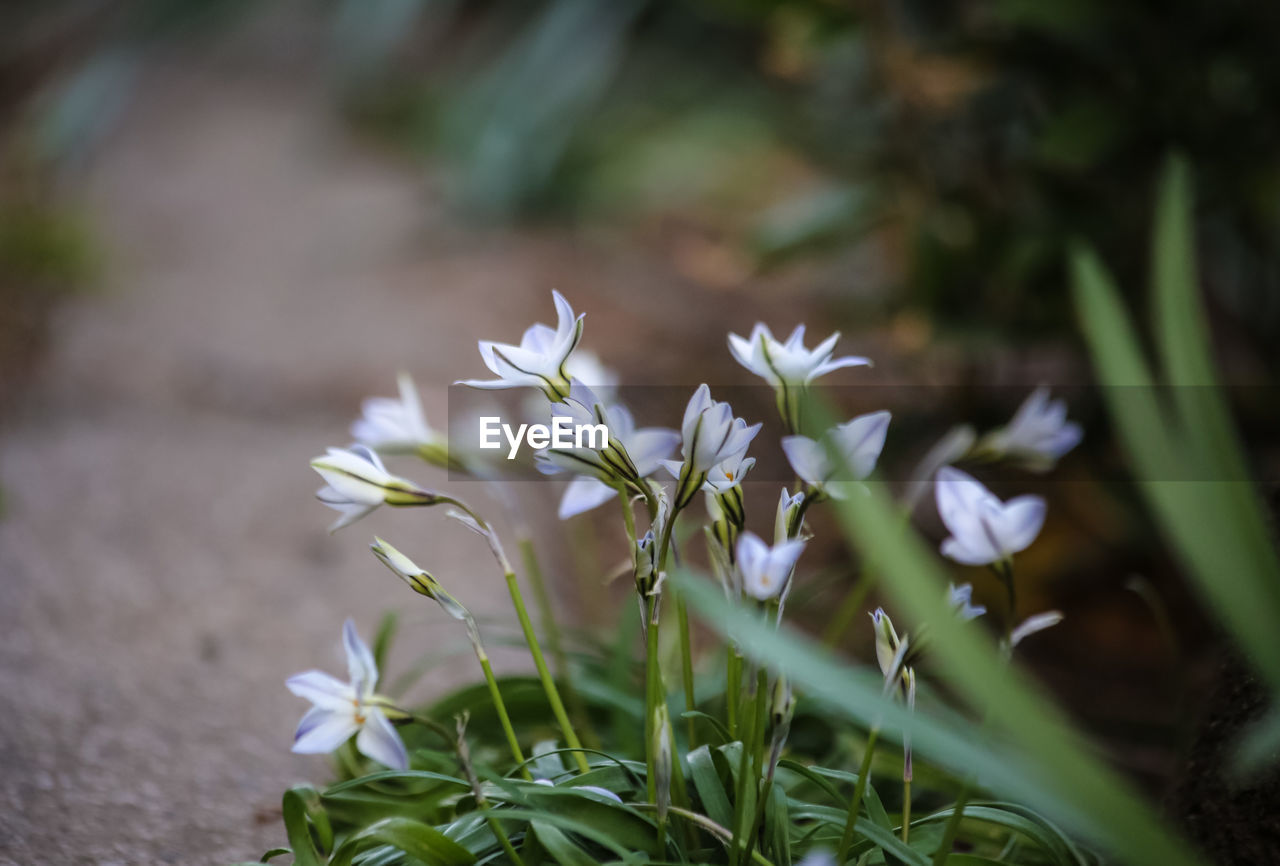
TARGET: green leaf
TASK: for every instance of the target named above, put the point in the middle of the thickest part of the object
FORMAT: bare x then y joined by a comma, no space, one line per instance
870,799
1052,771
394,776
414,838
584,827
560,847
626,828
306,825
1214,521
720,730
1041,833
706,781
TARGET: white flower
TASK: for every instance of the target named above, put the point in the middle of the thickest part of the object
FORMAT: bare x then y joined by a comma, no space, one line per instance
399,426
858,442
1038,434
788,367
393,426
766,570
342,709
1033,624
540,359
709,436
630,455
788,363
961,600
358,483
728,473
984,529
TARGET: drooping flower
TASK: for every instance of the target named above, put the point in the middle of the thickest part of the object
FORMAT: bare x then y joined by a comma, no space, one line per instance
357,483
629,455
710,435
858,442
766,570
961,600
341,709
1038,434
983,529
399,426
789,367
539,361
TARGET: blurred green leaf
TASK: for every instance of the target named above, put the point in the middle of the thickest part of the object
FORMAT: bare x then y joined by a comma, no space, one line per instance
1186,457
1052,771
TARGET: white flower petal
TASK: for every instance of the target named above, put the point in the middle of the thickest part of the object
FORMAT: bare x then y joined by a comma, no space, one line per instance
322,689
360,663
322,730
1019,523
765,569
808,459
350,511
961,502
649,446
378,740
861,440
598,791
952,548
583,494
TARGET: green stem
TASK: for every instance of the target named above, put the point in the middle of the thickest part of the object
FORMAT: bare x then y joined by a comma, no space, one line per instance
740,796
654,688
846,839
544,674
906,808
733,689
496,827
1004,571
952,828
762,795
501,707
546,615
653,691
686,666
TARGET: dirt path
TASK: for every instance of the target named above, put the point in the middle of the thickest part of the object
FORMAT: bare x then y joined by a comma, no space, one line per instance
163,563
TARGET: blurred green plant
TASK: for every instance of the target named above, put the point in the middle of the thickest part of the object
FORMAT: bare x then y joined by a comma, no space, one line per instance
1214,521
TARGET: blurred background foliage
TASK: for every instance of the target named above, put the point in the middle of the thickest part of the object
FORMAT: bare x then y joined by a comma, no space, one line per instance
974,138
970,139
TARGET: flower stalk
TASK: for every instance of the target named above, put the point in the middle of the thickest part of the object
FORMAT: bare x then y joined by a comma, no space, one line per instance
424,584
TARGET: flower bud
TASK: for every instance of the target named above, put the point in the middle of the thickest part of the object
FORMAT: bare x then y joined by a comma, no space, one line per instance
418,579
